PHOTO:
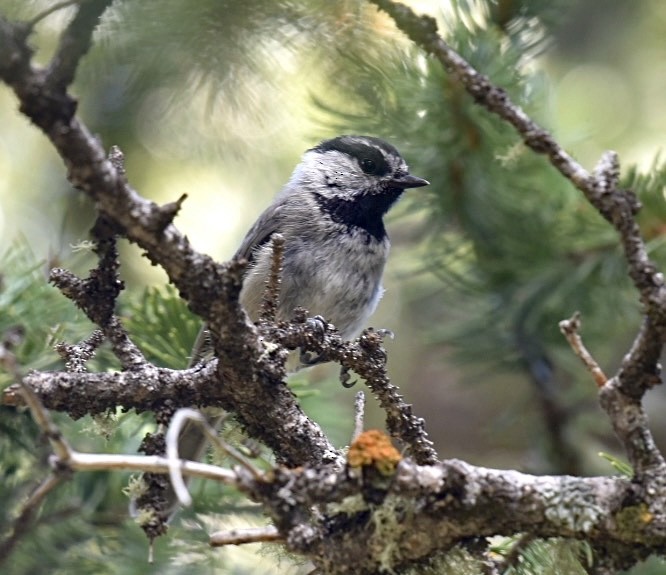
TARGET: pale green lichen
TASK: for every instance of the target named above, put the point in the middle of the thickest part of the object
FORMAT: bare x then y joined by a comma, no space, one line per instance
350,505
145,516
136,487
572,507
387,533
102,425
634,519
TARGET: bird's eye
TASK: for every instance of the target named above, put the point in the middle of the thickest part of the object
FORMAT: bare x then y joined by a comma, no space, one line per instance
368,166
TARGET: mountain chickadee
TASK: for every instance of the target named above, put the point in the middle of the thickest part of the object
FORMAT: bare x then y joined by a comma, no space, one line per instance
330,215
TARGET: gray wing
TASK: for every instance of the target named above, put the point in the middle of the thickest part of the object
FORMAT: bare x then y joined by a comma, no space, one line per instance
267,224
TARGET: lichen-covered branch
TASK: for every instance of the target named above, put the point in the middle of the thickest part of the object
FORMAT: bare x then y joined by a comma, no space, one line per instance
366,357
382,512
76,356
423,510
97,294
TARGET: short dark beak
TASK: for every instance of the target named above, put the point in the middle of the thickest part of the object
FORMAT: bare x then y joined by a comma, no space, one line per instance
409,181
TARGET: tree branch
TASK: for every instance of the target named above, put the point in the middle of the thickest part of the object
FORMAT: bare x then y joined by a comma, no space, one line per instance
97,295
75,42
617,206
367,357
76,356
569,328
211,289
243,536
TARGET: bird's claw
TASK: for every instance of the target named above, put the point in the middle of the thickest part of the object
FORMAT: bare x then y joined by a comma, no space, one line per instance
307,359
318,325
345,378
385,333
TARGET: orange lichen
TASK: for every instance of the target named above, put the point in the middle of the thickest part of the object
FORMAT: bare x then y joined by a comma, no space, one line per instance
647,517
373,448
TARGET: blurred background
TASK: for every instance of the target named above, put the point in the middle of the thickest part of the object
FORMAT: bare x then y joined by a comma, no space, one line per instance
218,100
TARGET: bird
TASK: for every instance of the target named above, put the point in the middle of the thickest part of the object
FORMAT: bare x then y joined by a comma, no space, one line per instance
331,217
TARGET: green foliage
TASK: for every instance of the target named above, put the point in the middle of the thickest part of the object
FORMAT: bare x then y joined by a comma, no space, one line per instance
618,464
162,326
46,317
62,537
28,302
515,247
649,187
223,54
547,557
539,557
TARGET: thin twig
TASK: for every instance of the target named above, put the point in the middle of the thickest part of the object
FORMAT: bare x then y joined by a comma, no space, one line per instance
148,464
25,518
232,452
173,433
600,188
271,297
243,536
367,357
98,293
359,413
569,328
401,422
76,356
75,42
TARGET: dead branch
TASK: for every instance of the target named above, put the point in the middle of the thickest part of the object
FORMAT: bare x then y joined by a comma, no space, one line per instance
570,328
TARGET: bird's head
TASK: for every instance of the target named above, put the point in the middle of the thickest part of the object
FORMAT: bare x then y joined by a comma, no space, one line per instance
355,179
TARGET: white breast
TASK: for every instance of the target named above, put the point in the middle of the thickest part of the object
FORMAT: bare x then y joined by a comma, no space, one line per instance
339,279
